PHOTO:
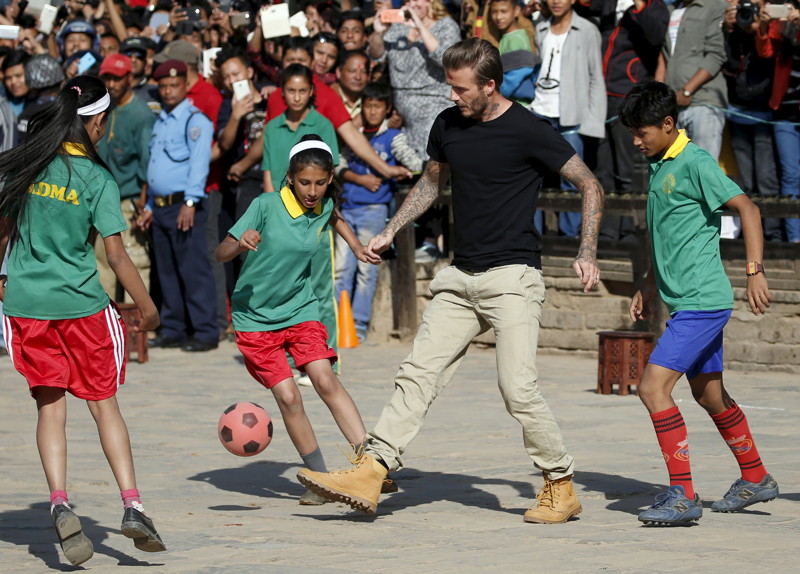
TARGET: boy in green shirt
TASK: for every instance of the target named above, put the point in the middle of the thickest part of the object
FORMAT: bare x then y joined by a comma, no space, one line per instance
688,192
519,61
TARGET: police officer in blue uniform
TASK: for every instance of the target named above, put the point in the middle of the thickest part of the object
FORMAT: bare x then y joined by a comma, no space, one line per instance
180,153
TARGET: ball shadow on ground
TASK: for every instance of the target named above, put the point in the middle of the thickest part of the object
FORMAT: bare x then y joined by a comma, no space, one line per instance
32,527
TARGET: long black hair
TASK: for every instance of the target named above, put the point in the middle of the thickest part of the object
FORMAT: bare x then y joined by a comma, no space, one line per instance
318,158
48,131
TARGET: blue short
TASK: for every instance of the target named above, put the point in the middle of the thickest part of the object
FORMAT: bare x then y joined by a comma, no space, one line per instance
692,342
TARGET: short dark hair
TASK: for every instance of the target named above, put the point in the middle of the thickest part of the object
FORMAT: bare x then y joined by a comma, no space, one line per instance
350,15
229,52
15,58
648,103
346,55
480,56
297,43
380,91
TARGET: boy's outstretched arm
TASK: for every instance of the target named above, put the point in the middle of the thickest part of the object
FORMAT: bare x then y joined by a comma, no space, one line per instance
640,303
346,232
758,294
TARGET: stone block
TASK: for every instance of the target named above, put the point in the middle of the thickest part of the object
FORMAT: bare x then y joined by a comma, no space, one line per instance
607,321
555,319
568,339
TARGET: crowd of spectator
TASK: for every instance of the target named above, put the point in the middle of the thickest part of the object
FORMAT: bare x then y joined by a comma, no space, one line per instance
208,96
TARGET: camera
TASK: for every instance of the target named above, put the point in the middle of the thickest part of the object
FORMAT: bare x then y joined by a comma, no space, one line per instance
746,14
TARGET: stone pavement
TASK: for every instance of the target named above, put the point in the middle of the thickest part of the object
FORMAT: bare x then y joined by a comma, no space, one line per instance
461,498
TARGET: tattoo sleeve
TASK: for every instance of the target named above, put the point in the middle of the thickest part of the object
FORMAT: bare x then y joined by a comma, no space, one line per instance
422,195
576,172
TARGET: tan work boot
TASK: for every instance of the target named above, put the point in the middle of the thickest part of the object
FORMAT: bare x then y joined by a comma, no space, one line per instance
358,487
555,503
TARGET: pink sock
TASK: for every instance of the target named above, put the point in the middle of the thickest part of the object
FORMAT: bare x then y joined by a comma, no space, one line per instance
131,499
59,497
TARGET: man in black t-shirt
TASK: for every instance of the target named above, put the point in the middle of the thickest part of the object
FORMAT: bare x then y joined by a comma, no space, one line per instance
496,152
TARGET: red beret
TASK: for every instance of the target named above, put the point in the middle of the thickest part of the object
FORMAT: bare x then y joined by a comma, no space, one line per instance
170,69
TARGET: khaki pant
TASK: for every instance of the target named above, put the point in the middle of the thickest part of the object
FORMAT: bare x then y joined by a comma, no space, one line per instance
135,241
506,299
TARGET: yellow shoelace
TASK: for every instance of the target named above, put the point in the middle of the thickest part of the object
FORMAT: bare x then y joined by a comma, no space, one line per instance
353,455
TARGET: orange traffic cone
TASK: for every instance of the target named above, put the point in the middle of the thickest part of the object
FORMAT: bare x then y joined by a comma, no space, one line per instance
348,338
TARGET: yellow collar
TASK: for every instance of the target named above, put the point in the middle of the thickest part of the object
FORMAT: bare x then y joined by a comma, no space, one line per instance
293,206
74,149
677,146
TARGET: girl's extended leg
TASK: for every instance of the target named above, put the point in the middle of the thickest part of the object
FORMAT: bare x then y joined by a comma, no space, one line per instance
300,431
117,447
114,440
294,416
51,435
338,400
51,438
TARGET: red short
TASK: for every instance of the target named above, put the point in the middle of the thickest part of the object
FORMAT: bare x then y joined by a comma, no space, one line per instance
84,356
265,351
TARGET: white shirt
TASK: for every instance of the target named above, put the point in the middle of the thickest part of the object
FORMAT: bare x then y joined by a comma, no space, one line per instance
674,25
548,89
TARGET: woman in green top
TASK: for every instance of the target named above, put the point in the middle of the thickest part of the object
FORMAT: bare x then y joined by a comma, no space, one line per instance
62,332
274,307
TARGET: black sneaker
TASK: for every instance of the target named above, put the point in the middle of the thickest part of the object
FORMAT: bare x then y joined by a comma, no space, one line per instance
743,493
139,527
76,547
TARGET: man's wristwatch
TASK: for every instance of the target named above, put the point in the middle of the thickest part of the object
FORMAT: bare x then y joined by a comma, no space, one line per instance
191,202
687,93
754,268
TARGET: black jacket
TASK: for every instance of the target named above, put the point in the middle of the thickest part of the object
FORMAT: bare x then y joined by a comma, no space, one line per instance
630,47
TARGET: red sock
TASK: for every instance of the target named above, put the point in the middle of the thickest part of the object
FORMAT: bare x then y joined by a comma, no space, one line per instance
59,497
674,443
131,498
732,425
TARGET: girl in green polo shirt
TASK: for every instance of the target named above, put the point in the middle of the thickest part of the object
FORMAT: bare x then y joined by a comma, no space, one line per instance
273,304
62,332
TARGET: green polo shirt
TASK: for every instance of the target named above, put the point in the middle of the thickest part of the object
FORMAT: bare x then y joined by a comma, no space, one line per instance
279,139
684,205
52,270
274,290
125,146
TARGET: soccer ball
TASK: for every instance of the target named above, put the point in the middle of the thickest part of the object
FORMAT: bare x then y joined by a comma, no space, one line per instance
245,429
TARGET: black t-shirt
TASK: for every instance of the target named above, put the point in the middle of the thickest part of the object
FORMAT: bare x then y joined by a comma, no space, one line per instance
250,127
496,169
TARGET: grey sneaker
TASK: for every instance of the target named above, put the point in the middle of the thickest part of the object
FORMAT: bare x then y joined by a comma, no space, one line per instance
76,547
138,526
743,493
672,508
311,498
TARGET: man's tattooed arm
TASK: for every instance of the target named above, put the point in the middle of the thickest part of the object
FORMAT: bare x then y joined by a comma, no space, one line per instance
419,199
576,172
421,196
585,265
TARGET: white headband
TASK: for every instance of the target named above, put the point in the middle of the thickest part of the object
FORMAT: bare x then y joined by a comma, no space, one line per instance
100,105
310,144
